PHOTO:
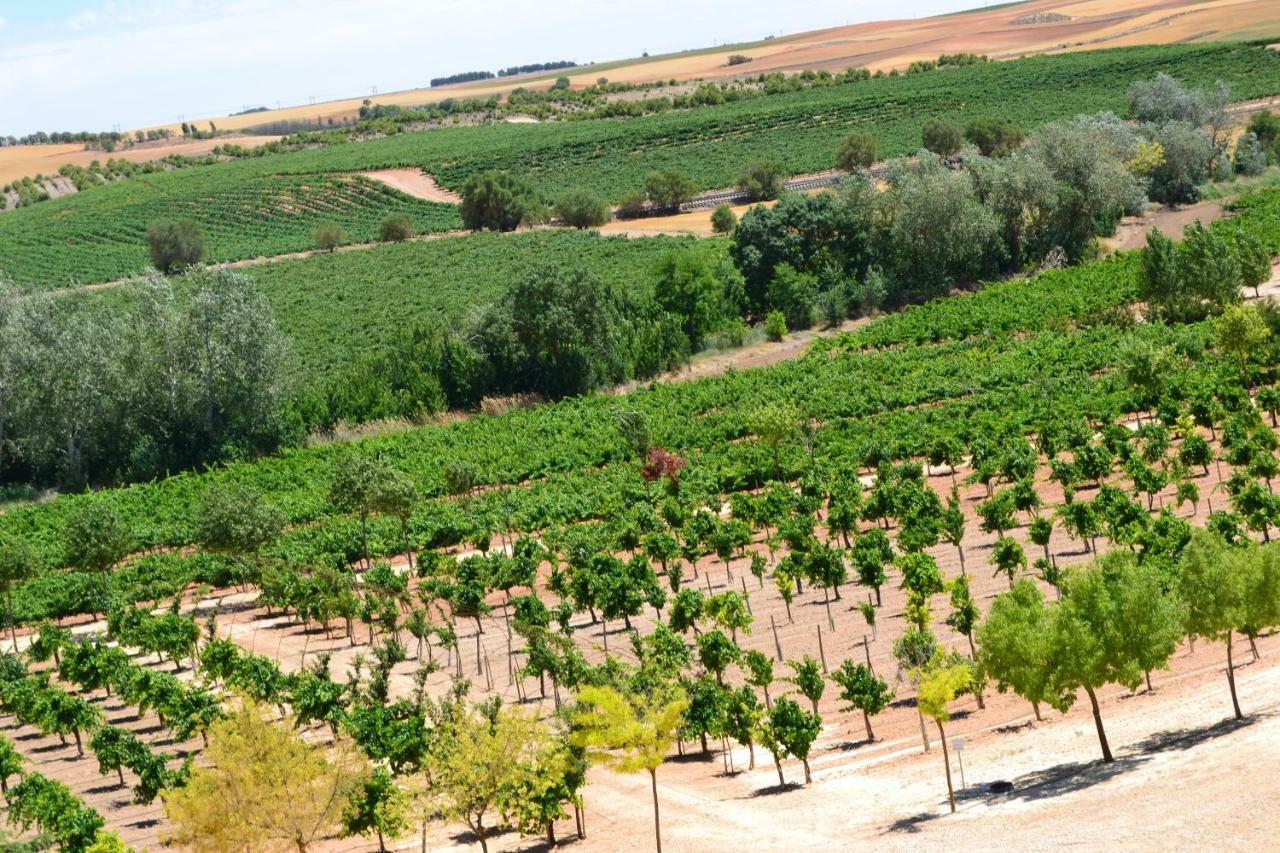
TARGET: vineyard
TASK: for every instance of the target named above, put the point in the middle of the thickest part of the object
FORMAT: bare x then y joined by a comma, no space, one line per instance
98,235
992,568
798,130
960,358
337,307
741,587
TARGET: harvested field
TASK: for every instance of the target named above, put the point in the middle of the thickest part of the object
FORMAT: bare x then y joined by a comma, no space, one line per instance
20,161
882,45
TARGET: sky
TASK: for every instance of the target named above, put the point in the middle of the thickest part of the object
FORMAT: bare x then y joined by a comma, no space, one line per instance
99,64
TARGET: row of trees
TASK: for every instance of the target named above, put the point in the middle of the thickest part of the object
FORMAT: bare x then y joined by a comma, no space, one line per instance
934,227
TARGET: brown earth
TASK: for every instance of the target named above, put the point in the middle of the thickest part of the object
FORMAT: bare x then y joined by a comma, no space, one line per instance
21,161
1132,231
416,183
880,45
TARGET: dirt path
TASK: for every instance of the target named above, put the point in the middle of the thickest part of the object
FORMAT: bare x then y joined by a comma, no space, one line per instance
1132,231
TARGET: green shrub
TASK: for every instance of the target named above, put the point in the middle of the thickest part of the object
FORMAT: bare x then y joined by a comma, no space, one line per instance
175,245
856,151
395,228
631,204
500,201
329,236
941,137
775,326
723,219
762,180
582,209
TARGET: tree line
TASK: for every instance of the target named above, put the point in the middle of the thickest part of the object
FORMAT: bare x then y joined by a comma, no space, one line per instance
169,375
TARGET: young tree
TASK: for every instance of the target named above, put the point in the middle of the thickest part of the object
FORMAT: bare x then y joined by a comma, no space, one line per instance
10,763
356,487
856,151
482,764
629,733
774,424
863,691
1013,644
964,614
328,236
1115,622
759,670
952,525
96,538
18,561
1008,558
377,806
263,785
716,652
807,677
871,551
1218,585
939,685
789,730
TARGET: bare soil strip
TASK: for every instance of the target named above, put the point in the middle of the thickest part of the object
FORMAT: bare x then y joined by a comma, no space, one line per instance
416,183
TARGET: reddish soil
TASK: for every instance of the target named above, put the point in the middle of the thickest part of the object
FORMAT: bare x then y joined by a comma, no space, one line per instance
416,183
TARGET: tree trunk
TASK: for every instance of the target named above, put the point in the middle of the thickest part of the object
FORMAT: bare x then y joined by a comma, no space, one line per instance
946,763
657,828
1035,706
960,551
551,833
751,751
782,783
808,779
1231,680
1097,722
866,721
924,733
120,773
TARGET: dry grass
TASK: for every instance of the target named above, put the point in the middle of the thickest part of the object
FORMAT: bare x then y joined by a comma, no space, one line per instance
20,161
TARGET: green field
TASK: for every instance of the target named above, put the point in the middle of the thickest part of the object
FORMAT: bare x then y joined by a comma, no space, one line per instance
98,235
336,307
248,208
960,360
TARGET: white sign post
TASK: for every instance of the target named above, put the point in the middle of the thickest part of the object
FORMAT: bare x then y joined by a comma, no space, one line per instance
958,745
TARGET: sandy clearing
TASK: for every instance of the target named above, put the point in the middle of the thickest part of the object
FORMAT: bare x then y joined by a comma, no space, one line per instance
1132,231
696,222
414,182
20,161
